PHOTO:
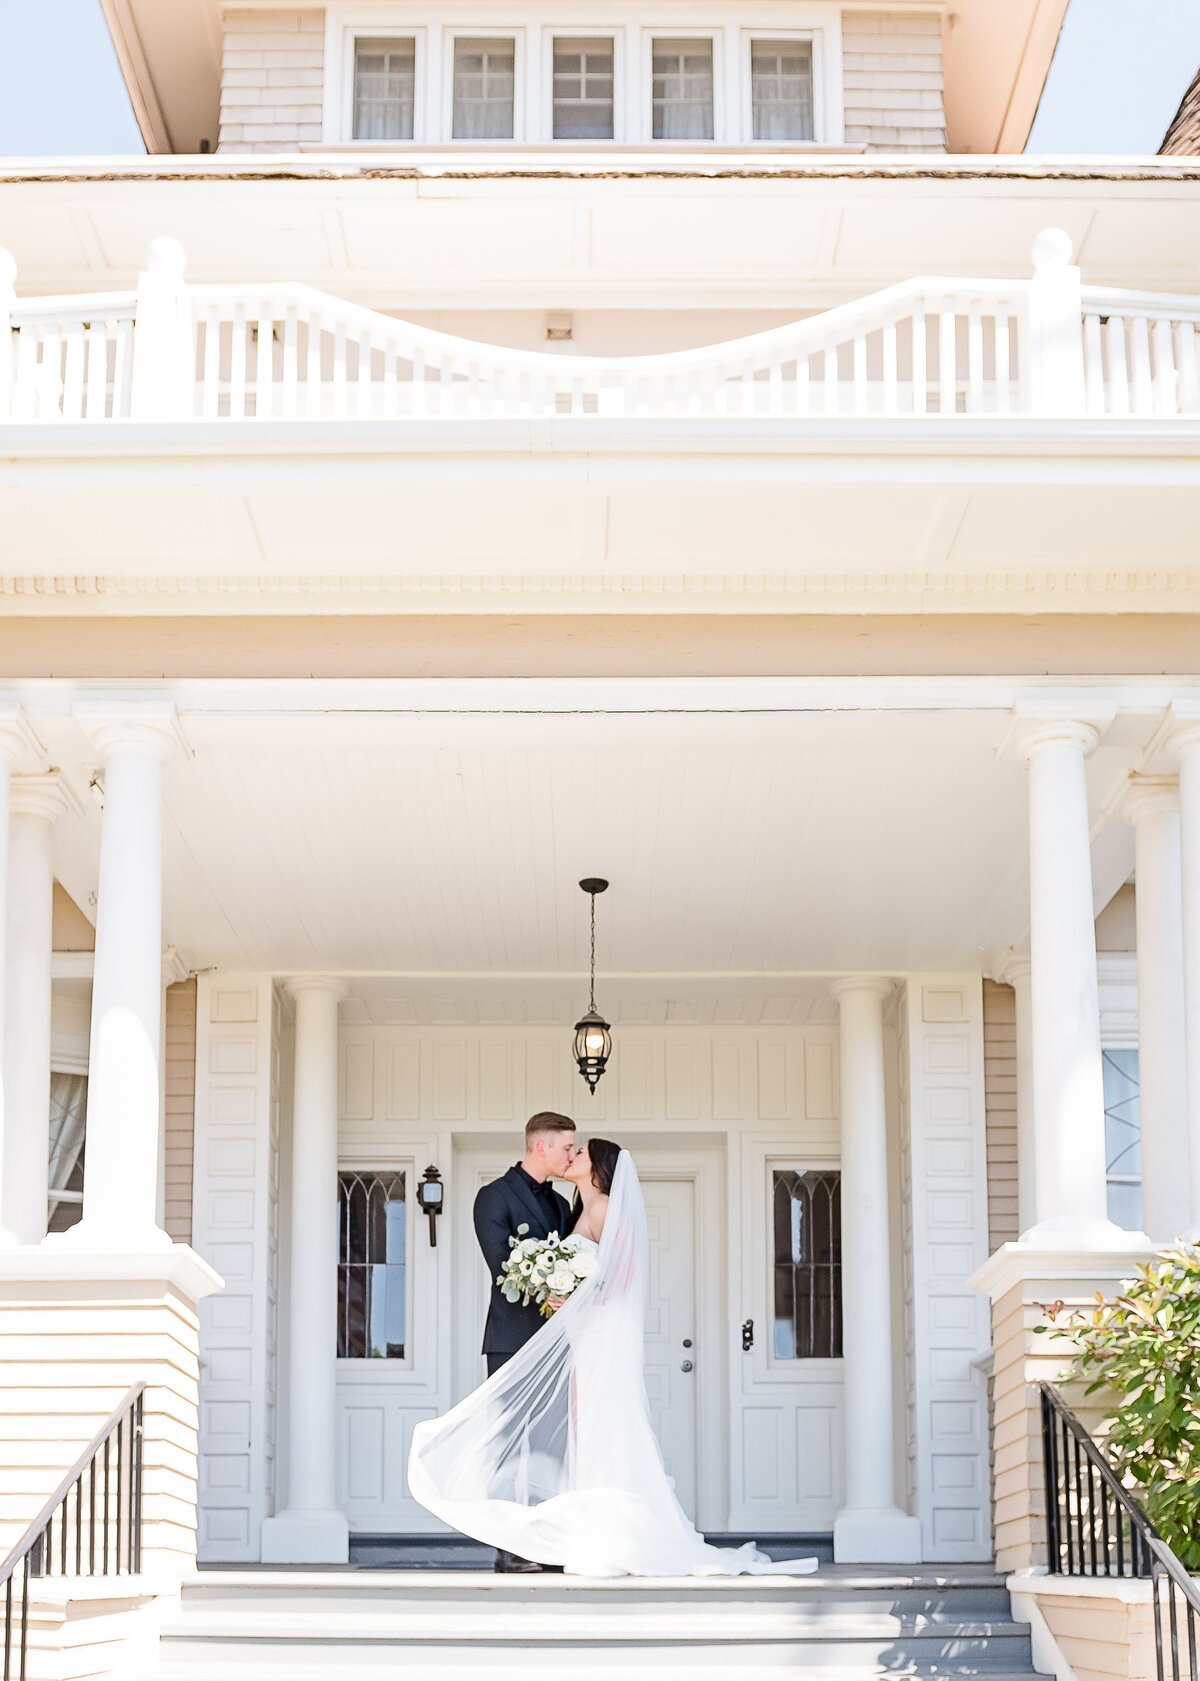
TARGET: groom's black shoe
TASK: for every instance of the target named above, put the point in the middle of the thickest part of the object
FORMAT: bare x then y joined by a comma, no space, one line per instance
510,1564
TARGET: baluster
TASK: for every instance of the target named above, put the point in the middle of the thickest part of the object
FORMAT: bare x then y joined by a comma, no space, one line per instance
95,378
859,399
339,370
920,362
891,393
315,327
264,362
775,383
391,381
444,390
65,350
92,1517
749,387
1093,364
24,380
1118,368
237,364
1185,355
975,359
470,398
366,355
947,359
1166,394
830,376
1003,353
1143,387
122,344
291,358
803,393
50,383
211,389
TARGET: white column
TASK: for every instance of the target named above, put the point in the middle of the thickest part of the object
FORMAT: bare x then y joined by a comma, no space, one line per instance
1152,806
310,1529
870,1528
14,742
1068,1080
1016,971
36,803
1185,743
120,1182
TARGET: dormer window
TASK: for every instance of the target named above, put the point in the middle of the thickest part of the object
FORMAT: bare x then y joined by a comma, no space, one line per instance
682,74
485,73
781,90
385,88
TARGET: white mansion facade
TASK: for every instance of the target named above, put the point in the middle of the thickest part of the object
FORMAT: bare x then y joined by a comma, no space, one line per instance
479,448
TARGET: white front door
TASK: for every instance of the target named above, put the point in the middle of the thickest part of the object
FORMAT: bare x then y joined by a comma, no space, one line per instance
671,1329
670,1307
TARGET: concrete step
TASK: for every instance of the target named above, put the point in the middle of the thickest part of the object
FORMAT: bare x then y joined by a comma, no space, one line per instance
303,1625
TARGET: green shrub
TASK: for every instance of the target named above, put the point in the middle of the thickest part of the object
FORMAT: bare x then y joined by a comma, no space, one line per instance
1144,1348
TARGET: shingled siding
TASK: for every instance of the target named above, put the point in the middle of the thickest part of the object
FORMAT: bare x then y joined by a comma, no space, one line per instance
893,76
271,80
180,1120
1000,1110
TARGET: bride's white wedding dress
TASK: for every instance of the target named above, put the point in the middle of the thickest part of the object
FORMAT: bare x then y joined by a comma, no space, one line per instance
554,1458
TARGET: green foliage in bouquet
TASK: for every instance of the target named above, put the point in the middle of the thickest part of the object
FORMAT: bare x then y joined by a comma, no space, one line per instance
1144,1348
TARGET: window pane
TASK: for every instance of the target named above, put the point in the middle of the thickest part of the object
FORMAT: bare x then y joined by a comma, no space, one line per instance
807,1219
583,89
682,90
781,87
1123,1137
385,82
372,1271
484,78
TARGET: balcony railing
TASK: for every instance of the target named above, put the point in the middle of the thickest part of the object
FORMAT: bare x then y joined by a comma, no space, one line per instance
169,351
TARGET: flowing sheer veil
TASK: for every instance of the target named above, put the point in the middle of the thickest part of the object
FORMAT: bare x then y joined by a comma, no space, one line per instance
554,1458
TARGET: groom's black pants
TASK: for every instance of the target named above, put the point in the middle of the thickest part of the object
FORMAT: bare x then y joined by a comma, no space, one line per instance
494,1363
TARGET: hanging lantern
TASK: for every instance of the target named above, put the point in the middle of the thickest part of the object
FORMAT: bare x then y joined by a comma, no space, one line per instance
593,1038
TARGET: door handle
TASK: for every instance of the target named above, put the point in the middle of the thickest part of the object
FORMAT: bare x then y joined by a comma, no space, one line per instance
747,1335
685,1366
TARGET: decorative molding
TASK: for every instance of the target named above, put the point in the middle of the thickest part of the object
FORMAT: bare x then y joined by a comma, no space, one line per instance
1076,719
45,794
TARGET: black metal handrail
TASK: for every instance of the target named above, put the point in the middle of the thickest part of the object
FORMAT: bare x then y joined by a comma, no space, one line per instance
90,1526
1096,1527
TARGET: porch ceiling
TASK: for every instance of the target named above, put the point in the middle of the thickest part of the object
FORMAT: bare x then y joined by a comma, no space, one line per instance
438,857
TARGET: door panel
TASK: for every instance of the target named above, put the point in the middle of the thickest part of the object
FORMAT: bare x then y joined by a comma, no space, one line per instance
670,1323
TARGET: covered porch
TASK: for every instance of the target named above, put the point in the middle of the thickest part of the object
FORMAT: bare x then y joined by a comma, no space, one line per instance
374,886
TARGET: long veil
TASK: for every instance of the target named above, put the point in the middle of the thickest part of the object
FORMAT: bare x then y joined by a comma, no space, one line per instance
554,1458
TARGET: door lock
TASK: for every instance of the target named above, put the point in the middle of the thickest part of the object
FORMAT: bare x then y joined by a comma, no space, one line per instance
687,1342
685,1366
747,1335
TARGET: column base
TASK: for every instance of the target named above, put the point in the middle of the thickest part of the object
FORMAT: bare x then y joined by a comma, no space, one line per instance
306,1538
92,1238
876,1536
1083,1235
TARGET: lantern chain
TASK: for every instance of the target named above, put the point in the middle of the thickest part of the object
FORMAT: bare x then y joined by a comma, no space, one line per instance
592,988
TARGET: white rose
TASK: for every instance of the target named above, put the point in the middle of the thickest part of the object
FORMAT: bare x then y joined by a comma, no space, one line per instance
560,1281
583,1264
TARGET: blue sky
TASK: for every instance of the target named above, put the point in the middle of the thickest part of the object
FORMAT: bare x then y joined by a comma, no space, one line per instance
1117,78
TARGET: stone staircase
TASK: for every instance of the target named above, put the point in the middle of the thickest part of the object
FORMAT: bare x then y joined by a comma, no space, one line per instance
848,1624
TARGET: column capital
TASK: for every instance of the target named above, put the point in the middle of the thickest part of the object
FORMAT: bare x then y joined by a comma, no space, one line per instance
152,729
1069,722
335,985
1009,966
871,986
47,795
1182,728
18,742
1146,796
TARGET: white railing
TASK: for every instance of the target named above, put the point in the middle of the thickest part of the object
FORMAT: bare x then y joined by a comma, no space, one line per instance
1045,346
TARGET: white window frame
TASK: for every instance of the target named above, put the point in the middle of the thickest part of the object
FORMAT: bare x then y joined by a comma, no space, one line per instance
771,1367
385,1161
533,29
551,32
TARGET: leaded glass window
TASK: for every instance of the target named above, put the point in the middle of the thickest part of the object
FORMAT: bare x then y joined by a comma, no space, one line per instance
807,1221
385,88
372,1265
1123,1138
781,89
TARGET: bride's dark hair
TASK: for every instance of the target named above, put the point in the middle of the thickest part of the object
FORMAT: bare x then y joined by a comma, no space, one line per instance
602,1153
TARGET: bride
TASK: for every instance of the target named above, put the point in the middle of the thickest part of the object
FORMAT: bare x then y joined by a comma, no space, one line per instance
554,1458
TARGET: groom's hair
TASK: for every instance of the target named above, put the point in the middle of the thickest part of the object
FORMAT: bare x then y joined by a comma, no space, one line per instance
546,1121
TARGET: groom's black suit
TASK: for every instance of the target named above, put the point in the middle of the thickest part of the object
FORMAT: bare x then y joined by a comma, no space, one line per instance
515,1199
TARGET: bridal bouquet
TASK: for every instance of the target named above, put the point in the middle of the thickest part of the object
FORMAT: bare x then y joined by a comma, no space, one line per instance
543,1270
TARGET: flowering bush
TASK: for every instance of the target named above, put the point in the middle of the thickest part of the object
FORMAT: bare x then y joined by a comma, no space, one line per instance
1144,1348
543,1270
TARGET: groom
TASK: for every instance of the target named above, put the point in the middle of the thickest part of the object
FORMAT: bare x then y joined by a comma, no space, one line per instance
523,1196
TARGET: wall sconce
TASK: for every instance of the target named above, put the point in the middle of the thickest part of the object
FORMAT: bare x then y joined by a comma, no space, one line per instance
430,1200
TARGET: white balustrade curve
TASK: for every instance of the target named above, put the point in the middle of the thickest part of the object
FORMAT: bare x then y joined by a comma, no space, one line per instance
928,347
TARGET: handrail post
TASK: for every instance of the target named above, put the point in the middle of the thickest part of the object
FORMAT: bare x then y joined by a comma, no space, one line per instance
163,341
1055,327
8,298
